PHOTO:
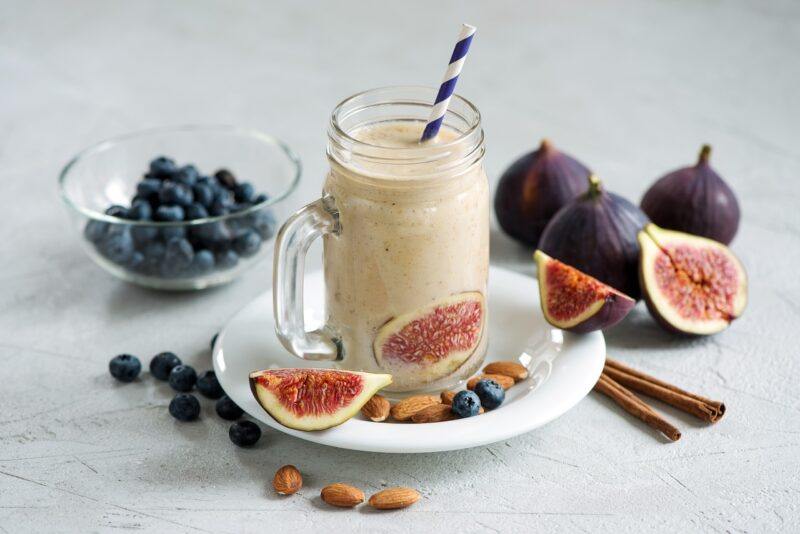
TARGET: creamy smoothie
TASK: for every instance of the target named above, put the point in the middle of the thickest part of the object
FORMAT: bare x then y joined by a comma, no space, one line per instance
409,265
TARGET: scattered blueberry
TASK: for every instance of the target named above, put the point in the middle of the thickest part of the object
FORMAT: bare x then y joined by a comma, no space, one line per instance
203,261
124,367
176,193
184,407
226,178
244,192
195,211
466,404
227,259
227,409
490,393
117,211
169,213
182,378
247,243
162,167
162,364
208,385
244,433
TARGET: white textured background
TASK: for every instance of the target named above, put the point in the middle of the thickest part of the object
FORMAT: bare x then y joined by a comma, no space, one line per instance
632,88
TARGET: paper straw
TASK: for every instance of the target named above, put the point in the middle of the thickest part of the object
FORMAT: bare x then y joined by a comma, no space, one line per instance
448,82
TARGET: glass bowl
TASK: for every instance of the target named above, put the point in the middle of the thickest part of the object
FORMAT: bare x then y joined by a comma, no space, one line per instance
143,247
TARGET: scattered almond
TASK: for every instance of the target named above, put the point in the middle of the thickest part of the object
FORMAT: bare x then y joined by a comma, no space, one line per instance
403,410
342,495
287,480
447,397
504,381
434,413
515,370
394,498
376,409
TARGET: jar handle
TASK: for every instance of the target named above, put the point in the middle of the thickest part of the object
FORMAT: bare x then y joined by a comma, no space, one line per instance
291,245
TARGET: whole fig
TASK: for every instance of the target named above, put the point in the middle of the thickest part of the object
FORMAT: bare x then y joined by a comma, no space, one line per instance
695,200
534,188
596,233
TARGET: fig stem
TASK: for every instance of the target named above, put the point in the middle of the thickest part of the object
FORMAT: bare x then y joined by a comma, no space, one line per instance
545,145
705,153
595,187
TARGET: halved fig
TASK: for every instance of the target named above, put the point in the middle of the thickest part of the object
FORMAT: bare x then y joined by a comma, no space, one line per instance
574,301
314,399
692,285
434,340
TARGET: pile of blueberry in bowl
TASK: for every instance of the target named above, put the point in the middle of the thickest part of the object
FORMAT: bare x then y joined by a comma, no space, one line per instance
166,223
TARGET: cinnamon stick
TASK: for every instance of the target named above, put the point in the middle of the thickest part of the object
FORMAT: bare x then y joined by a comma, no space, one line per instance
635,406
701,407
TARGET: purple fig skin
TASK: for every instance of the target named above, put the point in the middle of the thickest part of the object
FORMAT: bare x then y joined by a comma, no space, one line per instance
534,188
695,200
613,311
596,233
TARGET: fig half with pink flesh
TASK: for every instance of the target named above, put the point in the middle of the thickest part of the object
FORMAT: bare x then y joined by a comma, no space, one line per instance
314,399
692,285
574,301
434,340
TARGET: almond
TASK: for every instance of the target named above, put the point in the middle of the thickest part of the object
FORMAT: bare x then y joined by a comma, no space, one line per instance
394,498
515,370
403,410
447,397
376,409
342,495
504,381
287,480
434,413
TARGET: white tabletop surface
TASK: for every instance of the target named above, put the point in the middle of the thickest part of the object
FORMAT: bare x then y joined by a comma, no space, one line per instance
633,88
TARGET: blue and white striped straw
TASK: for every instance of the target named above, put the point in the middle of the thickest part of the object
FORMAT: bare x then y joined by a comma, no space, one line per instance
449,82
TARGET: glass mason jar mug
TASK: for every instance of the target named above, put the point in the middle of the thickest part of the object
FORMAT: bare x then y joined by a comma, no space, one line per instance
406,244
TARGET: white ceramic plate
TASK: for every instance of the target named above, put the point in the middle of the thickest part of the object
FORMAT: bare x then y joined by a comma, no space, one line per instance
564,368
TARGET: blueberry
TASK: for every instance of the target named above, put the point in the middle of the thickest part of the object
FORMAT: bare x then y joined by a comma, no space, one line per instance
148,188
264,223
214,340
173,232
195,211
466,404
162,364
226,178
117,211
244,192
184,407
186,175
143,234
136,262
203,261
182,377
217,209
213,235
124,367
204,194
169,213
244,433
117,246
208,385
247,243
140,211
95,231
260,198
227,259
178,257
227,409
162,167
490,393
176,193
